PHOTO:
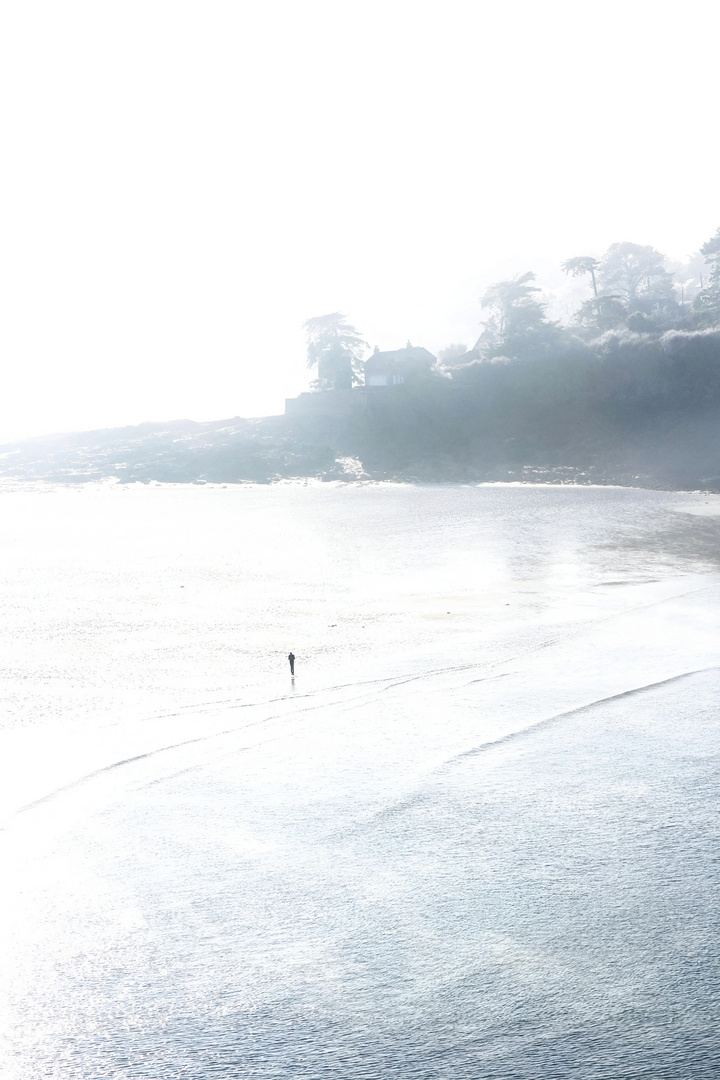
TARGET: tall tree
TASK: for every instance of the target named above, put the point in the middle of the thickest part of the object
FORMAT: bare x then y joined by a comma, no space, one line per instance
636,274
582,264
601,311
707,302
517,325
335,348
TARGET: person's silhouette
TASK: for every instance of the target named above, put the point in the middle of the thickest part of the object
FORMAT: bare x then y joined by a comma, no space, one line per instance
291,658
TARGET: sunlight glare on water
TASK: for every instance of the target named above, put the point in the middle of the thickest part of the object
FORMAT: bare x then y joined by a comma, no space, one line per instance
475,838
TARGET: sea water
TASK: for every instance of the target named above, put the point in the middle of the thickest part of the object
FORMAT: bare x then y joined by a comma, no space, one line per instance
475,837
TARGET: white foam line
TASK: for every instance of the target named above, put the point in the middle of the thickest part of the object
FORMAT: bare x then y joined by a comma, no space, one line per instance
409,801
389,685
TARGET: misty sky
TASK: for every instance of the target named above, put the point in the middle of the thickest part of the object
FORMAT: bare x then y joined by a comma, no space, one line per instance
185,183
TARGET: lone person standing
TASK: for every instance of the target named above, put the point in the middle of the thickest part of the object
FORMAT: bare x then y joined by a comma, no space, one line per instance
291,658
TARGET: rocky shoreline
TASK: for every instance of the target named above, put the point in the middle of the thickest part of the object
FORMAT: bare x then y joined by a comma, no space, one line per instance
270,449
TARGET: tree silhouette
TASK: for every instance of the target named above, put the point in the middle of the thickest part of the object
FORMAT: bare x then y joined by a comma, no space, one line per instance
517,324
707,302
335,348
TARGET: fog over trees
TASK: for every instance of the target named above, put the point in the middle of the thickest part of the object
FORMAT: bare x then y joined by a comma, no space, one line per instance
624,389
630,289
627,388
633,300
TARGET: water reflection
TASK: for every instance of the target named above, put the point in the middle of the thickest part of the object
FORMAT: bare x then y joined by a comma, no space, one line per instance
467,857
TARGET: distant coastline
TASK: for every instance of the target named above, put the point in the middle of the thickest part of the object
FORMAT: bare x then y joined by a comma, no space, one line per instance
669,453
626,391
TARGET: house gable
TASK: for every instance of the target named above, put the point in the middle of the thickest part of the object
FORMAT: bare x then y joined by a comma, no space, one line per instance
392,368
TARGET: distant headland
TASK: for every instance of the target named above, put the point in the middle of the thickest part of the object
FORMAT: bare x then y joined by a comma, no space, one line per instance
626,392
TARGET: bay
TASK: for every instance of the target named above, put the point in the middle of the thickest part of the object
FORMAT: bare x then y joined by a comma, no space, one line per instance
475,837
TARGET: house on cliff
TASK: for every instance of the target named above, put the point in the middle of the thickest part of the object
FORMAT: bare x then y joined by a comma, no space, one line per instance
395,367
382,370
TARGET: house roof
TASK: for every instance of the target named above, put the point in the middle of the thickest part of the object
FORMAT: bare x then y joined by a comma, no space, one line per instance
411,358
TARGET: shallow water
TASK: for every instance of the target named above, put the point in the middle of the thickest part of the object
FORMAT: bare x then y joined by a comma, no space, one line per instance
476,837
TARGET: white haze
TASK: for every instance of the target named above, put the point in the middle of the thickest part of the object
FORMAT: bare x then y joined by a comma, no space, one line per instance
185,183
